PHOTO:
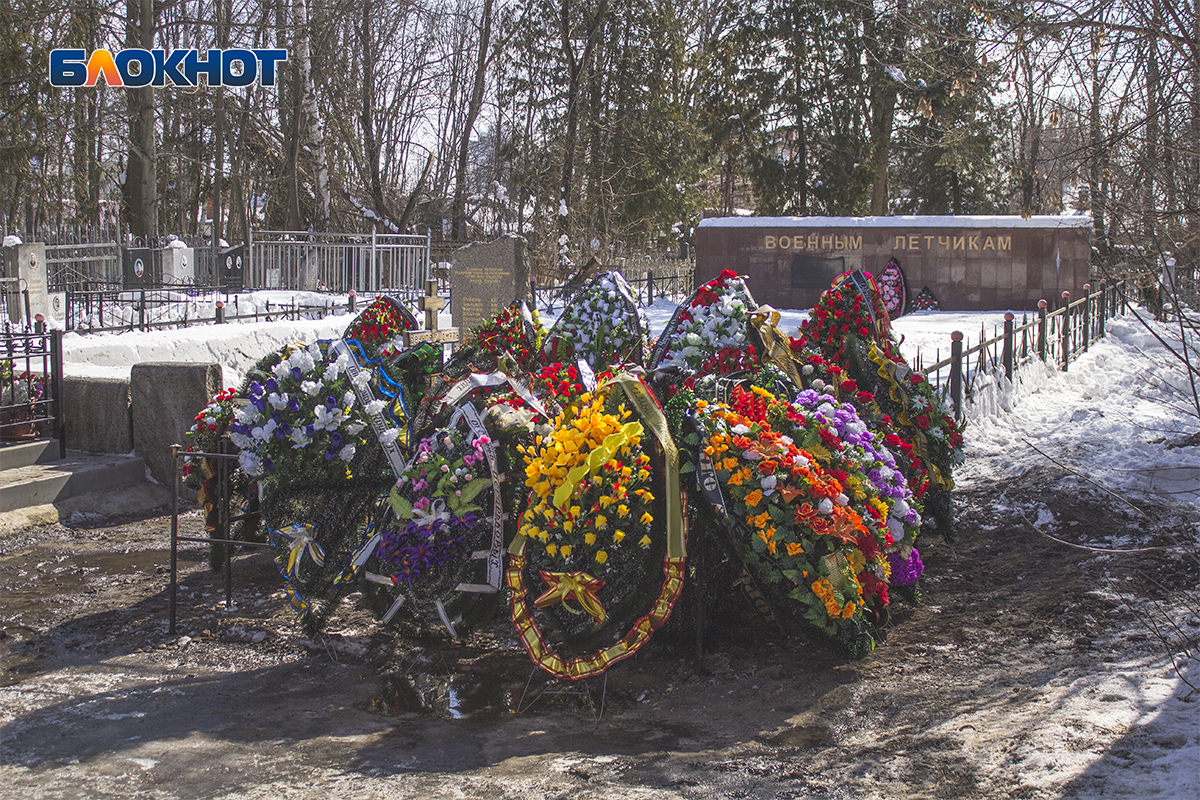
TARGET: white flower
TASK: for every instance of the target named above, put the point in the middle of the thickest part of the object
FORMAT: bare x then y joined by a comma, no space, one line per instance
355,429
347,452
278,401
896,527
768,484
389,436
842,500
825,506
323,419
311,388
331,372
375,406
740,429
241,441
899,508
348,399
281,370
362,379
300,438
251,464
302,359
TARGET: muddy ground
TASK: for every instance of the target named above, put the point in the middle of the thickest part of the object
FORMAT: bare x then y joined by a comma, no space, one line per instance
1030,669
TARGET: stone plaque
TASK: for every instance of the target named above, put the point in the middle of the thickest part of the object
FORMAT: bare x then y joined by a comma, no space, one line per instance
487,278
27,263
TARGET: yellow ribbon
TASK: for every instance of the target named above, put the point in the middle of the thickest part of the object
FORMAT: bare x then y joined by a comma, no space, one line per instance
578,586
775,348
654,418
302,542
595,460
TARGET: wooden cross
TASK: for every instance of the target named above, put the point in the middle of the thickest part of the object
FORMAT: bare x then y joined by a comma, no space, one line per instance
431,304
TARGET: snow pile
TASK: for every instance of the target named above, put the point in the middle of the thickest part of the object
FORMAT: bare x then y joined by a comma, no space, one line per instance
235,347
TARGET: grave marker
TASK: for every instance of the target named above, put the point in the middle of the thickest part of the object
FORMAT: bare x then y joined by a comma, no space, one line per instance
487,278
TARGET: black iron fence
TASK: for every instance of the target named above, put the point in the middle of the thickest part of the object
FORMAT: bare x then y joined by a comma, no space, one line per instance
114,310
31,372
676,282
1056,336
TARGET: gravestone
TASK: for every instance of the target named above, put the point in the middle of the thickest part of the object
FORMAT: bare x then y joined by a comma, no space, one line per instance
179,265
27,264
487,278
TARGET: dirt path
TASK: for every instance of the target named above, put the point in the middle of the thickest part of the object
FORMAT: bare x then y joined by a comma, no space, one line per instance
1023,673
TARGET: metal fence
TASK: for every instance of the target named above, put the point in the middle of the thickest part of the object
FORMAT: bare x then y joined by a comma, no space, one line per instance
394,263
116,310
675,282
31,370
86,259
1056,336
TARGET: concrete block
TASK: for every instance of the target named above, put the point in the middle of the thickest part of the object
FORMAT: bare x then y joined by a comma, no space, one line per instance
165,400
97,414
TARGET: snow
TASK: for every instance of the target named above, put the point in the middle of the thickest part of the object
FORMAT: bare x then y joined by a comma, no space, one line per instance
964,221
12,240
1107,419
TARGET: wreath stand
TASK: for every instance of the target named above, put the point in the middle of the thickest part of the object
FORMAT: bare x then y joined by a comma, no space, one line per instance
556,687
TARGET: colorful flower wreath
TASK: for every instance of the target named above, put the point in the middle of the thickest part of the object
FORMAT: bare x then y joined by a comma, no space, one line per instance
380,326
516,331
306,414
594,529
712,334
806,534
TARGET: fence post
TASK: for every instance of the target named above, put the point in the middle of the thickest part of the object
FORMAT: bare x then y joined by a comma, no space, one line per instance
1087,316
56,386
39,324
1124,297
1103,305
142,311
1041,342
956,376
533,291
1066,330
1007,353
650,287
352,295
220,313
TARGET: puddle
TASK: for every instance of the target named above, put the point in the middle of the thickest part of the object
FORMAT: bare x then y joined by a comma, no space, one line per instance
457,697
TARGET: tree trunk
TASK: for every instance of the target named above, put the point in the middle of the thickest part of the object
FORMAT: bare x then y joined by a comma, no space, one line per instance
459,215
141,181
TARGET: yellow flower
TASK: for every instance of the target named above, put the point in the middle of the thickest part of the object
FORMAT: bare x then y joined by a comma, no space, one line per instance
643,474
754,498
606,501
618,536
565,551
601,556
601,523
730,464
647,519
589,538
623,510
848,611
762,520
794,549
645,542
551,549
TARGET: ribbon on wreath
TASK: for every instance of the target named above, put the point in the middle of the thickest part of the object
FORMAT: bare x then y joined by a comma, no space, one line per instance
577,586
